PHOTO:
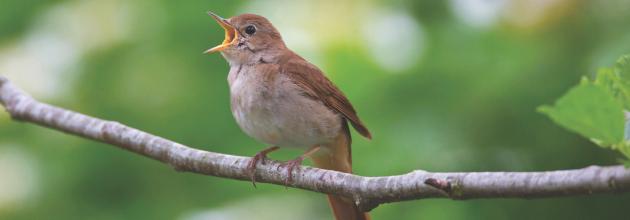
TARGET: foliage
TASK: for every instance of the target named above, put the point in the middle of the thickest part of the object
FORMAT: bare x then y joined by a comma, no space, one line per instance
595,108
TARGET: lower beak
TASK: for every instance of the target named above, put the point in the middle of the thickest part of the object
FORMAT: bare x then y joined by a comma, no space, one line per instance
230,34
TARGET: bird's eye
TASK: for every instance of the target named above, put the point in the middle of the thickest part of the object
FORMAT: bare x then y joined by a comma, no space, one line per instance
250,29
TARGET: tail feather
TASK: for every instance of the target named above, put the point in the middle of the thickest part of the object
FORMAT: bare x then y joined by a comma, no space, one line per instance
344,209
337,156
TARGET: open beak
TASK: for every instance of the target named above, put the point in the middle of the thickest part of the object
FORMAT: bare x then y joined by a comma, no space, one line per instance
230,34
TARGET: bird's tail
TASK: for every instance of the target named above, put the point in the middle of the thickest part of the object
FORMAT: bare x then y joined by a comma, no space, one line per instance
337,156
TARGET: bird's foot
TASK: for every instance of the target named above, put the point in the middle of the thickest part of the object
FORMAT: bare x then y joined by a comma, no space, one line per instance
260,156
297,162
292,164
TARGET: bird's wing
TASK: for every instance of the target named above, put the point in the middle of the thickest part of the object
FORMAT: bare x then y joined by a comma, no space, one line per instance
317,86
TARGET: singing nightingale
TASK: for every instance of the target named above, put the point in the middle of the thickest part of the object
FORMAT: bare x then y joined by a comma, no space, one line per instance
281,99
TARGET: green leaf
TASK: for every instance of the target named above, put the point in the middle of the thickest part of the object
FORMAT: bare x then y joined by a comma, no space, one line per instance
624,148
617,80
590,110
614,82
622,67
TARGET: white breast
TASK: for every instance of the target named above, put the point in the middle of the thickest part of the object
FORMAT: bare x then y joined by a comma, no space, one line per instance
275,112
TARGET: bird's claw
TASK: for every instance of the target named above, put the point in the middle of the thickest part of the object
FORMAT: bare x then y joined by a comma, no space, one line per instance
251,166
292,164
260,156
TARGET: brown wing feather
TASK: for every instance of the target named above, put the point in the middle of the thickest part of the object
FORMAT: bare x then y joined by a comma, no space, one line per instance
317,86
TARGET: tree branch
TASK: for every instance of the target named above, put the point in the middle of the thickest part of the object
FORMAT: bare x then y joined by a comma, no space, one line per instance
368,192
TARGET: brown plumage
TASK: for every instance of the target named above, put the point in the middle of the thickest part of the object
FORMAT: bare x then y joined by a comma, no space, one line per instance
279,98
319,87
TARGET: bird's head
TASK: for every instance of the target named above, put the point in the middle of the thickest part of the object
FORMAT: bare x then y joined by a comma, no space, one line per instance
249,38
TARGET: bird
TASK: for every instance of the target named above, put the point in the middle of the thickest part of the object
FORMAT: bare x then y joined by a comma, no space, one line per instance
280,99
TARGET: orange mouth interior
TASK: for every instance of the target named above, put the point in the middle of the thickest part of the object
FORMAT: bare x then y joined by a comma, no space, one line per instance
230,34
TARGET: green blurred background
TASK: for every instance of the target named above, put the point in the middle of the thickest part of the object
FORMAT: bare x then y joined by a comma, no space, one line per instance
443,86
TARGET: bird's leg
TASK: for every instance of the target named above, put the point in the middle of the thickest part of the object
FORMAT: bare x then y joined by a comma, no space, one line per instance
260,156
291,164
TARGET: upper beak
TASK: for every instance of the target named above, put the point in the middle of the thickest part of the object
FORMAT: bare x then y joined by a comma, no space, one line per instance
230,34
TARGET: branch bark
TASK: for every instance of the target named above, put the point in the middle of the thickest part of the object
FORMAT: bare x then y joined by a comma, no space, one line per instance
368,192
